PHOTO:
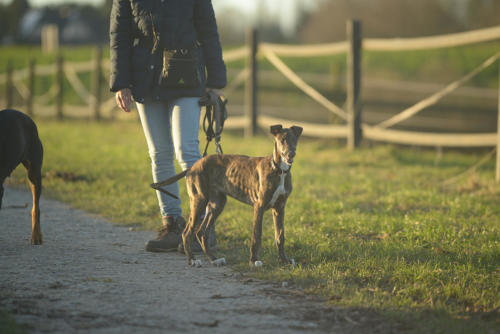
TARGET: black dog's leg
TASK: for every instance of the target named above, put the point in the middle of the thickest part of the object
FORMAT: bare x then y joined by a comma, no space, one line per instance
1,192
35,177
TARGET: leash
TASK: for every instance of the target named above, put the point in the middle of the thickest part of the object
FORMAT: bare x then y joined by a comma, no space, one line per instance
213,121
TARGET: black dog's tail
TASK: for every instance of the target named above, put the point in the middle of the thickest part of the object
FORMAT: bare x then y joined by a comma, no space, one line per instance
171,180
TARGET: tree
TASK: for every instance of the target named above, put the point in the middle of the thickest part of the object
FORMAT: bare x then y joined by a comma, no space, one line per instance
483,13
231,25
4,25
381,18
15,11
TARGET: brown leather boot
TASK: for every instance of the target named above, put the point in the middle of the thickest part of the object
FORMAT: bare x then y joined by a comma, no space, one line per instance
169,237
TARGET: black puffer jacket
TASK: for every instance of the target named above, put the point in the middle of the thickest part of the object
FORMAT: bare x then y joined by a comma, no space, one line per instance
179,24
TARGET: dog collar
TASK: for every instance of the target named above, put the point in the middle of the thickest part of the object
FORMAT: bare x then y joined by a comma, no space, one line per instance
278,167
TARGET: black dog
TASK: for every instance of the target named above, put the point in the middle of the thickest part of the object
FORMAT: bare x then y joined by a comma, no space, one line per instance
19,143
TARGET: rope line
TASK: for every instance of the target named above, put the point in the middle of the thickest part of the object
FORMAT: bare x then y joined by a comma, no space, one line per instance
432,42
109,105
236,82
22,89
436,97
309,50
77,85
45,98
237,54
471,169
302,85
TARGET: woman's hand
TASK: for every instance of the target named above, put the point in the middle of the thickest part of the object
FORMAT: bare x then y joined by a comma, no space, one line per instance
124,99
216,91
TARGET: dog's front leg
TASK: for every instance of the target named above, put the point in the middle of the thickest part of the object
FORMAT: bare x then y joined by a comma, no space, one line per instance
35,177
258,212
279,231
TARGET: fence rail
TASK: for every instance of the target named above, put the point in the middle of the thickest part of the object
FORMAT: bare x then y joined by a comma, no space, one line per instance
380,132
352,47
433,42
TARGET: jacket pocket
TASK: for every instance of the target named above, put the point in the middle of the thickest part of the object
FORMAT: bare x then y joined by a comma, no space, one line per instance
180,69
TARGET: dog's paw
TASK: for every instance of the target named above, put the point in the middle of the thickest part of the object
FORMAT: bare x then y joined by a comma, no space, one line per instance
219,262
36,240
196,263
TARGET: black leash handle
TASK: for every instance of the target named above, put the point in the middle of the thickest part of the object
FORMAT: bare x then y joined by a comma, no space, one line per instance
212,102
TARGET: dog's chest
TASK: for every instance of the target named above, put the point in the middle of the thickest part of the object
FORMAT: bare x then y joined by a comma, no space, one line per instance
280,190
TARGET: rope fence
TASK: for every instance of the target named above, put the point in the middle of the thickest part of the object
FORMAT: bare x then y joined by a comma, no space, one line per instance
301,84
352,47
435,98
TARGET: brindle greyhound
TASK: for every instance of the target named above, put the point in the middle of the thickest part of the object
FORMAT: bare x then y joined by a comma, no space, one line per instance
262,182
19,143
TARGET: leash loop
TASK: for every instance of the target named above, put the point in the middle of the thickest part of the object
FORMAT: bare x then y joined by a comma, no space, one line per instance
213,121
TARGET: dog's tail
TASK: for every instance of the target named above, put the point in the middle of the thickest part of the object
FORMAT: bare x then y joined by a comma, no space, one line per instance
171,180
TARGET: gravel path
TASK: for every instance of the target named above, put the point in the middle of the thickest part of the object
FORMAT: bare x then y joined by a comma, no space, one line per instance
90,276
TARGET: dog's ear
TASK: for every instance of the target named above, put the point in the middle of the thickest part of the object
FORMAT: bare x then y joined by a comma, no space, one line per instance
275,129
297,130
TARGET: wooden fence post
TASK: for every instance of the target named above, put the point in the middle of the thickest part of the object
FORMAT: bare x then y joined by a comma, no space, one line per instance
95,101
251,84
59,86
9,86
497,177
31,87
354,106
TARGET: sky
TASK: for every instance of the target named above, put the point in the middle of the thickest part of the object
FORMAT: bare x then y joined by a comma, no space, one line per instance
283,9
247,6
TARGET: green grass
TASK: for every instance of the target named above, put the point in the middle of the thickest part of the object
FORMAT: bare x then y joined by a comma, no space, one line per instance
371,229
8,325
21,55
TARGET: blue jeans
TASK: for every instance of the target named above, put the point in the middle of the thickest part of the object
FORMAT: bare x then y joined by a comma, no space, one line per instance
171,127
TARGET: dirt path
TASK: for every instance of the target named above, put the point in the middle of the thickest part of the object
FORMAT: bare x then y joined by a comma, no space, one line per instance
92,277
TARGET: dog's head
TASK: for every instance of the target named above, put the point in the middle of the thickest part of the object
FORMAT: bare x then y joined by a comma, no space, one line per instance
285,143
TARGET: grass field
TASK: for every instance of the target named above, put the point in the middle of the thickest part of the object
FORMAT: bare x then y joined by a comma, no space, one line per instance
372,229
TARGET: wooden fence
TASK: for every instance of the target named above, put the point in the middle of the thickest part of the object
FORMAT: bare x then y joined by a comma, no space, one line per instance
51,102
353,129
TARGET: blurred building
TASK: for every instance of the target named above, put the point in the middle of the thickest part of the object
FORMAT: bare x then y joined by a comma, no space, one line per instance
77,25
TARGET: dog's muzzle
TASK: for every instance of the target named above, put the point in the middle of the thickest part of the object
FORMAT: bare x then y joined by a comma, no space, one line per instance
288,159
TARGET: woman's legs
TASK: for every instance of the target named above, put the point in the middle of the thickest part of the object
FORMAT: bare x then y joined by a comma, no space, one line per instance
168,128
185,120
171,127
155,119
